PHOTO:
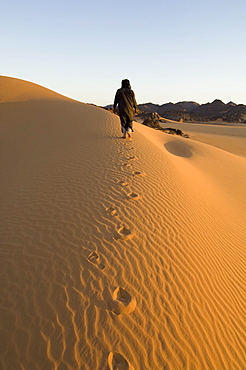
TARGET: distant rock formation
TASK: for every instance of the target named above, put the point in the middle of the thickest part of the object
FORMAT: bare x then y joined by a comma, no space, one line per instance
192,111
153,120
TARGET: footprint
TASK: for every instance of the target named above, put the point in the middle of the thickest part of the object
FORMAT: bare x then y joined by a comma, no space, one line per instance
117,362
123,233
126,165
123,183
138,173
112,211
133,196
123,303
94,258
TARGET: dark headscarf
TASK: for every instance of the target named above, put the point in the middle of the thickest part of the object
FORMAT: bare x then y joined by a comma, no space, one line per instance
126,84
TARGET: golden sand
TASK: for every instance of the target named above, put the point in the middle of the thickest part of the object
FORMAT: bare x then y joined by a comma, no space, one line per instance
116,254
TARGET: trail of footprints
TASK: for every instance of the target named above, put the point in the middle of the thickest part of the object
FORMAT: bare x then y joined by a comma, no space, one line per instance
123,232
122,301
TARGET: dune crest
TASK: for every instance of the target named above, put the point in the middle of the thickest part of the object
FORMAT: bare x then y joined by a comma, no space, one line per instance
92,225
14,90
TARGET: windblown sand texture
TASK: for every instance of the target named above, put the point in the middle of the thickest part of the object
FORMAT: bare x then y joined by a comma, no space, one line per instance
116,254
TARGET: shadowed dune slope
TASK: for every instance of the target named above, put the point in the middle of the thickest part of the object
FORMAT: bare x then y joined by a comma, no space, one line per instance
115,254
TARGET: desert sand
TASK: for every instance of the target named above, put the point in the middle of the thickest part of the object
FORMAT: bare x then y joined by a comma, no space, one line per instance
116,254
227,136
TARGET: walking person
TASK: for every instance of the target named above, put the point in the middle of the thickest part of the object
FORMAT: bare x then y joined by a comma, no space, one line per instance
125,99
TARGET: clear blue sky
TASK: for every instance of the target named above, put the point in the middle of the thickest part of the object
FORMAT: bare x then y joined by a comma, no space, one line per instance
170,50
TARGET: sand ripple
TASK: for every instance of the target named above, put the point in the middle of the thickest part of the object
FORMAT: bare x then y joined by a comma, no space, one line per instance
73,245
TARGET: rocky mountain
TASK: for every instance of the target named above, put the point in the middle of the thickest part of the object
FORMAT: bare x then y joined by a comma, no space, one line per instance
181,106
192,111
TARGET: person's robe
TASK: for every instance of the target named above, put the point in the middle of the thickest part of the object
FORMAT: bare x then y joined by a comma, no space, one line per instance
125,98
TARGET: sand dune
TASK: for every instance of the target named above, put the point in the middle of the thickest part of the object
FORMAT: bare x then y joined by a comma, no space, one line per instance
229,137
116,254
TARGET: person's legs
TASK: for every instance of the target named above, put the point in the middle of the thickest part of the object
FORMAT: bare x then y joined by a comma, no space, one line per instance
123,131
129,131
123,126
126,125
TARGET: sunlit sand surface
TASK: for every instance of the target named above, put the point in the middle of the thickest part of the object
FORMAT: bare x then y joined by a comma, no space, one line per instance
226,136
116,254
